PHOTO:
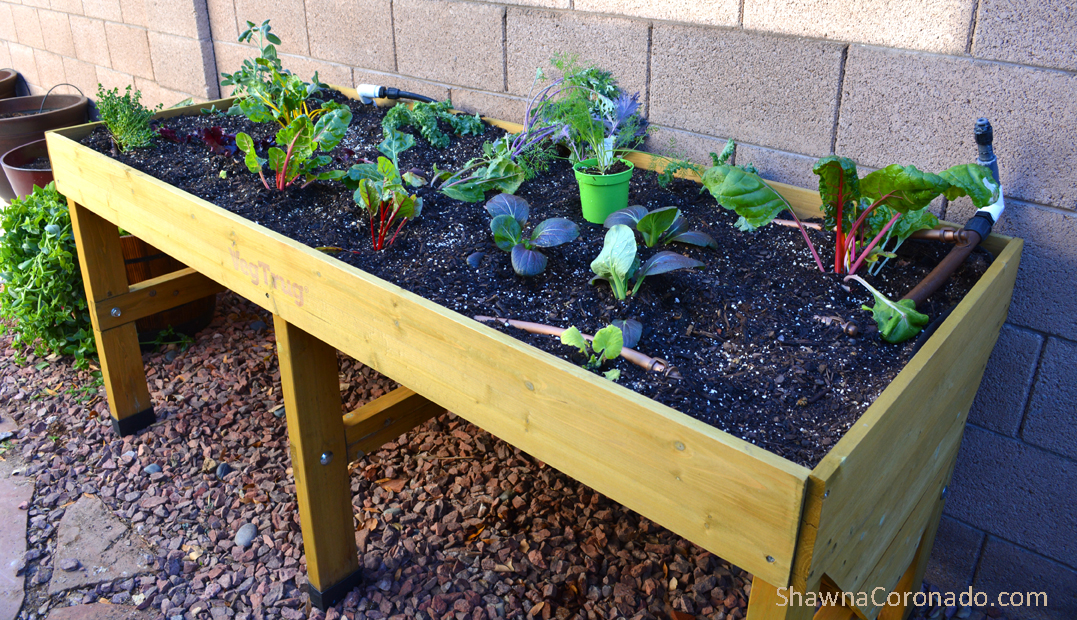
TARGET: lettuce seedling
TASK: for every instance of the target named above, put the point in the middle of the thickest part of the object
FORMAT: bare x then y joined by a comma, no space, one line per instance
617,262
606,345
897,321
509,216
385,200
664,225
298,142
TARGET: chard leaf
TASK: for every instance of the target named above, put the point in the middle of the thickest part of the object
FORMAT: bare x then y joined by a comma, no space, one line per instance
612,374
507,204
655,223
329,175
631,331
629,216
897,321
617,259
297,136
276,158
554,231
359,172
974,181
395,143
367,196
246,144
838,181
909,223
745,193
387,170
527,262
331,126
695,238
902,188
505,175
413,179
507,232
408,206
573,338
465,192
608,342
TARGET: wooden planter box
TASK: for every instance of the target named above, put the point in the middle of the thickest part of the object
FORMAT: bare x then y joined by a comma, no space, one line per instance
864,518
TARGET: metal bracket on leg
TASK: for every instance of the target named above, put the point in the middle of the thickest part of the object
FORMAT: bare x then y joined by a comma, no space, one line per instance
336,592
134,423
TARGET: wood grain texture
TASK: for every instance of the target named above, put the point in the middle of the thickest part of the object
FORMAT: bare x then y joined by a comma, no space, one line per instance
154,295
384,419
311,389
764,603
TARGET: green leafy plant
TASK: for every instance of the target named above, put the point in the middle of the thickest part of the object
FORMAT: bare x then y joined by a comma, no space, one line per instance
425,118
618,264
606,345
663,225
509,214
382,195
898,321
294,155
127,120
43,294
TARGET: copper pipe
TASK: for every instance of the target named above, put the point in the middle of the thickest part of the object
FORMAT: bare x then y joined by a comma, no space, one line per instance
646,362
944,269
946,235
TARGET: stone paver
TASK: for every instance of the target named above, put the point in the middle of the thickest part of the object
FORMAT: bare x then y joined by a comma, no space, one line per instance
104,547
13,491
99,611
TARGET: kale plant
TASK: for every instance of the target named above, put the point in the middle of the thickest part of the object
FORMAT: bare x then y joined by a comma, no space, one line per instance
294,156
606,345
664,225
509,215
425,118
618,264
127,120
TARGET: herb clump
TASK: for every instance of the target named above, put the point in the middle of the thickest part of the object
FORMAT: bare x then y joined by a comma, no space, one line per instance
127,120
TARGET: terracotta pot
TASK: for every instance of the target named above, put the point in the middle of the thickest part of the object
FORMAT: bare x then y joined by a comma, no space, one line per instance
8,80
143,262
59,111
24,179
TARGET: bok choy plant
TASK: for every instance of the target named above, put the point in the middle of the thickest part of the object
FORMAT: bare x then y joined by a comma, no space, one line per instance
618,264
509,214
664,225
606,345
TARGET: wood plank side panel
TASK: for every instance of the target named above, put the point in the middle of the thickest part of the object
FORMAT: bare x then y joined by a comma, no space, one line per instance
765,603
725,494
871,489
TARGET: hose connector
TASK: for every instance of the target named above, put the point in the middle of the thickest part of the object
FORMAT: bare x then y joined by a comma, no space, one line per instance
369,92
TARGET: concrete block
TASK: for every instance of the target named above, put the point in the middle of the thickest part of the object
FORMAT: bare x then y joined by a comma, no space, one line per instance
451,42
40,4
27,26
549,4
7,24
923,113
153,94
134,12
358,33
1008,488
419,87
492,105
1028,33
703,12
1000,403
56,31
81,74
50,68
779,166
1008,568
679,144
1050,420
91,45
108,10
129,47
932,25
615,44
110,79
230,58
183,18
1045,281
72,7
22,59
222,20
288,18
770,91
954,555
184,65
5,55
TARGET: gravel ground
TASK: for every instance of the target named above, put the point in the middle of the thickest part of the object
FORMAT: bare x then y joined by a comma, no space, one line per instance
452,522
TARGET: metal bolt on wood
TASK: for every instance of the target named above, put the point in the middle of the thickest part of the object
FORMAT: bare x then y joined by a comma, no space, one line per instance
327,458
115,312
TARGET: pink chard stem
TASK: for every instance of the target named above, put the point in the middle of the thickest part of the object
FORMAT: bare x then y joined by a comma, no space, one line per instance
874,242
811,246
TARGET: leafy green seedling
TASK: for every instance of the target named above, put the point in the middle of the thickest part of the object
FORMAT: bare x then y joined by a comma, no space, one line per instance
382,195
606,345
297,143
127,120
897,321
631,330
664,225
617,262
509,216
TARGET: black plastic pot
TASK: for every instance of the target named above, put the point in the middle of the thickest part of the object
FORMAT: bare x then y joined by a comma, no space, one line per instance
59,111
22,178
8,79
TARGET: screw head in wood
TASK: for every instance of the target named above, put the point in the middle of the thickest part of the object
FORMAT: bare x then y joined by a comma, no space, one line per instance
326,458
115,312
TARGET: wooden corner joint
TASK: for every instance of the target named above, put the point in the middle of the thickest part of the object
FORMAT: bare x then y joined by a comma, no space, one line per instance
153,296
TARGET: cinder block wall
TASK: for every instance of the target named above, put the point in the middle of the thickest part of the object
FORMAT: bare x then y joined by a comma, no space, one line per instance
878,81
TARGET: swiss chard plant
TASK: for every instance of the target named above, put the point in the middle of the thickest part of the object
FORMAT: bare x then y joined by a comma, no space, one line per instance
296,154
606,345
898,321
387,203
663,225
127,120
509,215
618,264
426,116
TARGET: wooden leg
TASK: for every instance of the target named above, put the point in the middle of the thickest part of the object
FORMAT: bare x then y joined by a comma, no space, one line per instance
319,451
914,576
103,275
769,603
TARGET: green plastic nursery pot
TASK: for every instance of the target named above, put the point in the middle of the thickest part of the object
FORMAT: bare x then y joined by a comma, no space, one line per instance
602,194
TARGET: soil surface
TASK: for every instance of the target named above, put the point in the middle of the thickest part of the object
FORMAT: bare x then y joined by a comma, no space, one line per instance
751,335
40,163
25,113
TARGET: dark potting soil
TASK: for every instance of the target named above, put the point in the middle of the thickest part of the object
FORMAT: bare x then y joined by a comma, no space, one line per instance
751,336
25,113
40,163
616,168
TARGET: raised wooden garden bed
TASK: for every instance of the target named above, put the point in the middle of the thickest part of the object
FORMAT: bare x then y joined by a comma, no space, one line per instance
864,518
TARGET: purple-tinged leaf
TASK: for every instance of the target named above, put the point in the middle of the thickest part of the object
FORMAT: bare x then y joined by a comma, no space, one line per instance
507,204
695,238
664,262
507,233
631,330
679,225
554,231
172,135
527,262
629,216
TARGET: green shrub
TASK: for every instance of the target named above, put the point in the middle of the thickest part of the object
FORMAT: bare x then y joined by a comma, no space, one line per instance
128,121
43,293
